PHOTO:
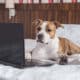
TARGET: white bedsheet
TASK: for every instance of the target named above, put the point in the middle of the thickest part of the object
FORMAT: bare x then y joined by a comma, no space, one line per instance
55,72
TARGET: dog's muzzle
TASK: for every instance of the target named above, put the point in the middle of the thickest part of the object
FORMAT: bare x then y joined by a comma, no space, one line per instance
40,38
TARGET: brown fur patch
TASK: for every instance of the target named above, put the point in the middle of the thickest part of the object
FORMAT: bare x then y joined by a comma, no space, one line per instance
67,47
37,22
51,29
58,24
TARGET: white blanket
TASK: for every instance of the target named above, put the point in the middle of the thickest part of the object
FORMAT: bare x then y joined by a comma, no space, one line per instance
54,72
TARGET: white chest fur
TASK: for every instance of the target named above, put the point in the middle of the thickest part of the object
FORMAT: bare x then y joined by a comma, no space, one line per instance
46,51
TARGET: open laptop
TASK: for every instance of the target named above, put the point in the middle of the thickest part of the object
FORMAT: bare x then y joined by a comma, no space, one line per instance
12,44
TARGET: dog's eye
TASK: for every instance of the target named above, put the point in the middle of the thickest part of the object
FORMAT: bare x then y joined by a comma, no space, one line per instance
49,30
38,28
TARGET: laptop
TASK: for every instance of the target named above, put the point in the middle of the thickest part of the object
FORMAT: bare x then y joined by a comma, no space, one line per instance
12,44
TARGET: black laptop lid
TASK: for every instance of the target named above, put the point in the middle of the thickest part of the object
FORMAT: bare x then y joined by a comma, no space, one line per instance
12,44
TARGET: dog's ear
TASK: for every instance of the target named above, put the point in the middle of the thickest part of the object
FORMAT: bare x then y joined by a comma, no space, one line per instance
58,24
37,22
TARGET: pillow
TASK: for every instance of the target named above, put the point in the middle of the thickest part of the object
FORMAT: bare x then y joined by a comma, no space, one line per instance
70,31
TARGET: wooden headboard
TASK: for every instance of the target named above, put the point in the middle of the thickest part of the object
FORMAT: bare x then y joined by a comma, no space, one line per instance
66,13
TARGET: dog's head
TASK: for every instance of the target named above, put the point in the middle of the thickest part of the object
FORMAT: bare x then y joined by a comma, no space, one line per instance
45,30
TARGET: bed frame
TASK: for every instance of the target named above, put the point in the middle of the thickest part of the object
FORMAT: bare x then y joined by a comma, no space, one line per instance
26,13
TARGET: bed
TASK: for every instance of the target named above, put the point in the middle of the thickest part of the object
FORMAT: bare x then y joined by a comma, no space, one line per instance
54,72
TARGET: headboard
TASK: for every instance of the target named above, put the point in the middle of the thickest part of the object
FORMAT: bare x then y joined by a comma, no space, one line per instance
66,13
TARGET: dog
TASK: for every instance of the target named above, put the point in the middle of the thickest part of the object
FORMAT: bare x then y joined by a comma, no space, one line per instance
49,46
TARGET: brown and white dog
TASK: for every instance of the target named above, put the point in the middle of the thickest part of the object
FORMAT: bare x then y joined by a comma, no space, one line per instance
49,45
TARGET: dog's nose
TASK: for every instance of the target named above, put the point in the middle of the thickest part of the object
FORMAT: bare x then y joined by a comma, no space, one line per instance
40,36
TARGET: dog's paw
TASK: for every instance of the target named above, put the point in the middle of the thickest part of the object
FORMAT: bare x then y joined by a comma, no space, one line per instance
28,55
63,60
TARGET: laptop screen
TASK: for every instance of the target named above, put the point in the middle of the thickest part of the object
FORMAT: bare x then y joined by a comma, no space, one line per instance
12,44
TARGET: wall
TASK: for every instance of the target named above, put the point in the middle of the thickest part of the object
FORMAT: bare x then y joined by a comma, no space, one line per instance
65,13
